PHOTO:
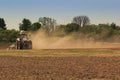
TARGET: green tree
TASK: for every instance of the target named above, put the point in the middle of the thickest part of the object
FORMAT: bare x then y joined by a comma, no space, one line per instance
73,27
13,34
26,25
35,26
113,25
89,29
2,24
8,35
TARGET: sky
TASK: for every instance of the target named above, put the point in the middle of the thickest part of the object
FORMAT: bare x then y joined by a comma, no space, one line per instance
99,11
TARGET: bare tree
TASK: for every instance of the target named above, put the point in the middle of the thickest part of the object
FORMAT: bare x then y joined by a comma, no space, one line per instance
48,23
81,20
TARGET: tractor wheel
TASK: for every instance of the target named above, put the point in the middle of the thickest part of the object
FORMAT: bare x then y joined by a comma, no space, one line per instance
30,44
18,45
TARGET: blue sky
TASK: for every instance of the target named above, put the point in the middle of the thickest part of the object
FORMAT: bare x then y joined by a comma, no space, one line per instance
99,11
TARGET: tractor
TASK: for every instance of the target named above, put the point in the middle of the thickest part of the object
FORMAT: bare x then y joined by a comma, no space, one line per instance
23,42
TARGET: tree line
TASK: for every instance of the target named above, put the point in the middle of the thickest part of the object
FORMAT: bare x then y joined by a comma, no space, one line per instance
79,25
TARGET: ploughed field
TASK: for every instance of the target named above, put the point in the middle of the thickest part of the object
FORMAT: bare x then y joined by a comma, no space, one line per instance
60,64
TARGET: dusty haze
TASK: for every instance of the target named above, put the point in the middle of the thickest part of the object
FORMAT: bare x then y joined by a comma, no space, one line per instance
42,41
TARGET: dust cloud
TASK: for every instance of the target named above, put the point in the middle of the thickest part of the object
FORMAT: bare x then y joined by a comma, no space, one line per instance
42,41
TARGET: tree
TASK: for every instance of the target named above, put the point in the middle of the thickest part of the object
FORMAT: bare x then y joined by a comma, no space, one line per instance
2,24
81,20
8,36
113,25
73,27
48,23
11,35
26,25
35,26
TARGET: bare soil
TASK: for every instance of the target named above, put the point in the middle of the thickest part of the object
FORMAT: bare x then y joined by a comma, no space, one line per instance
59,68
4,46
